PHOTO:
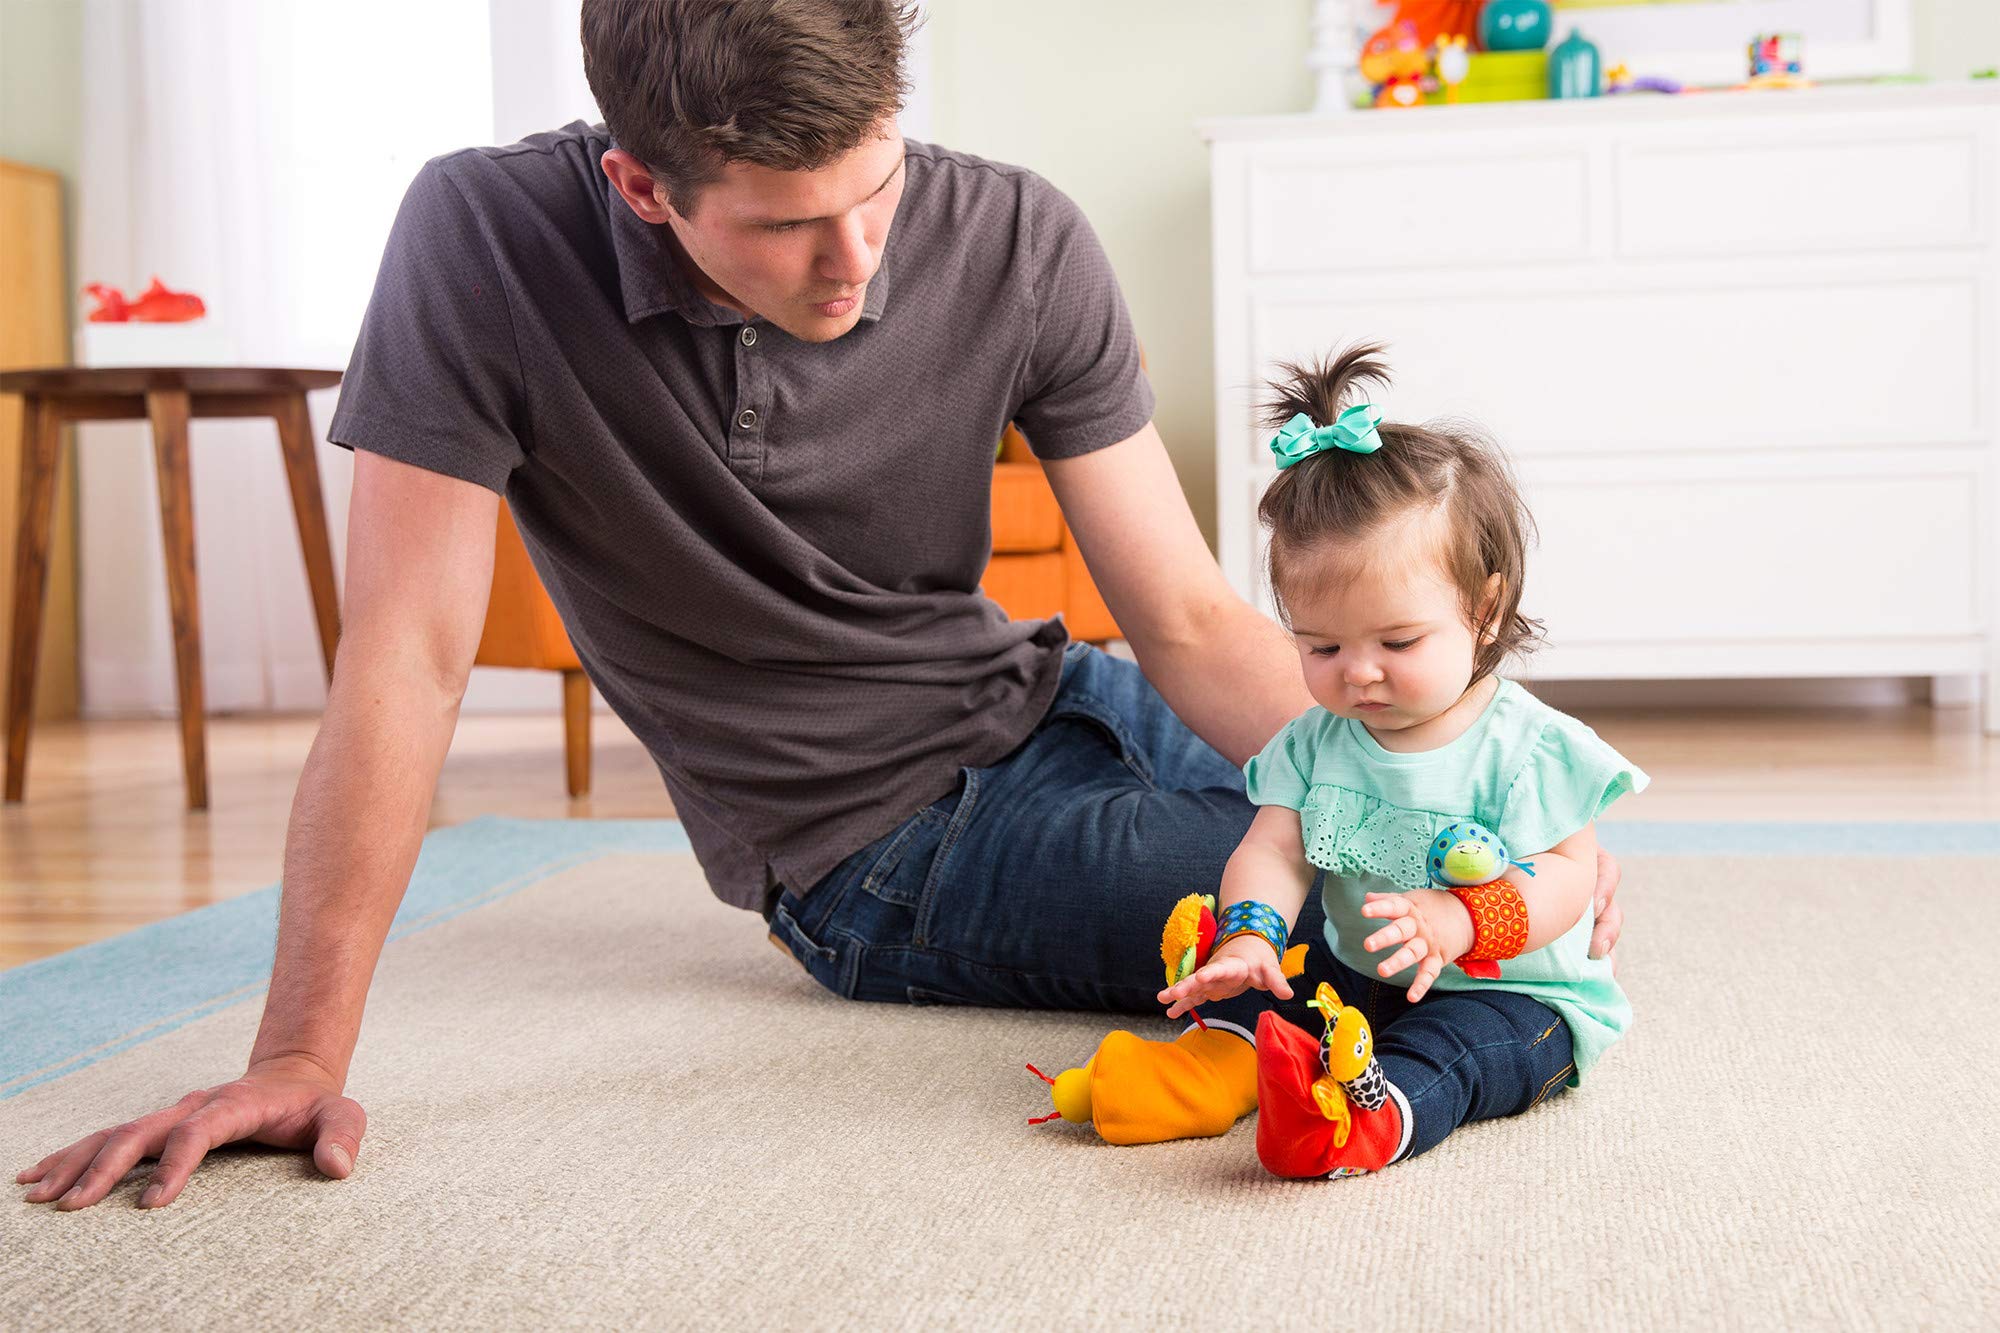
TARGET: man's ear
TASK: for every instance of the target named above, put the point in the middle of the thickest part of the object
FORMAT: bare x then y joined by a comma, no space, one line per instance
637,185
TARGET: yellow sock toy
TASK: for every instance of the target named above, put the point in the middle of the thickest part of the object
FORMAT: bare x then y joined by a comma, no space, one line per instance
1195,1086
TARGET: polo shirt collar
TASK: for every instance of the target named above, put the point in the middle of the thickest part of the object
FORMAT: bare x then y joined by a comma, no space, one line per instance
651,283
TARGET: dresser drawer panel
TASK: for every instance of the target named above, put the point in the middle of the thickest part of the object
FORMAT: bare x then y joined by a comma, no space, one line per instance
1756,558
1805,364
1312,213
1787,196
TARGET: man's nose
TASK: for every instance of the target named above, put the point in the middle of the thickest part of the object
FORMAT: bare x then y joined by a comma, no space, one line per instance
847,258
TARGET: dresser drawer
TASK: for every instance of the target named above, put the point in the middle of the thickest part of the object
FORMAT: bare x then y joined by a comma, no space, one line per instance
1856,356
1318,212
1704,556
1787,194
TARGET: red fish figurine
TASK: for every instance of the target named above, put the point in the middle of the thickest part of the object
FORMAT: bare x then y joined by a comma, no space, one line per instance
156,305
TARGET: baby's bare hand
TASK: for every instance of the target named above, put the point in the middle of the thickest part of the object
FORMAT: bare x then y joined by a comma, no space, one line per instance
1432,927
1238,965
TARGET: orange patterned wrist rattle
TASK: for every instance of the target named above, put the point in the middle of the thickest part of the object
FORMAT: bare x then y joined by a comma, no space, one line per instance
1499,926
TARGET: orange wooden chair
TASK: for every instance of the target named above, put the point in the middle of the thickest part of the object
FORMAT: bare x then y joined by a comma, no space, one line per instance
1036,572
523,630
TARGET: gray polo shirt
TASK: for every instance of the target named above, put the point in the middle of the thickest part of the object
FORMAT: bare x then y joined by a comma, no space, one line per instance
766,552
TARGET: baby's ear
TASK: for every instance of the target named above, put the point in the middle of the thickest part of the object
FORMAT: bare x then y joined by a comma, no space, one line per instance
1489,604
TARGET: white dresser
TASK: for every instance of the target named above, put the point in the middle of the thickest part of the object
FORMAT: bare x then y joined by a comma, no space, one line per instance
1742,349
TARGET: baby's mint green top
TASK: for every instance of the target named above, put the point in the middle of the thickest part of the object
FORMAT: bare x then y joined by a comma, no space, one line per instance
1531,774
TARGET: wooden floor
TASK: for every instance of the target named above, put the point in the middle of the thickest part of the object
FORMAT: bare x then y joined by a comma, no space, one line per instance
103,843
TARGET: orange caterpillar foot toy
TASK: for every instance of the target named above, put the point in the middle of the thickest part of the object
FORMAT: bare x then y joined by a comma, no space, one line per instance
1325,1108
1137,1091
1195,1086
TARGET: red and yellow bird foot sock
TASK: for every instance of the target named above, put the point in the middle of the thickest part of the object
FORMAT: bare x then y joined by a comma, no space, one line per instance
1305,1134
1137,1091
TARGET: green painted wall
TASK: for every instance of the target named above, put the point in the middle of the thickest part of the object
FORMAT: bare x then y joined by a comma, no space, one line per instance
41,82
1102,98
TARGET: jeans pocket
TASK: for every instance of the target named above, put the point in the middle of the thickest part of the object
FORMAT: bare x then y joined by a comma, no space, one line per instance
820,961
1095,717
904,847
940,859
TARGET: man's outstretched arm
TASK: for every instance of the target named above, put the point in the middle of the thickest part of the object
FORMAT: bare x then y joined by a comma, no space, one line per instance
419,567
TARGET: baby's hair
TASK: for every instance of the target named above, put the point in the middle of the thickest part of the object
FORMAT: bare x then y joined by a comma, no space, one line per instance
1450,471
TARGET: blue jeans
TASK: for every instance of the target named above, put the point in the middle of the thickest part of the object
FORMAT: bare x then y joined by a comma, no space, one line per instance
1043,880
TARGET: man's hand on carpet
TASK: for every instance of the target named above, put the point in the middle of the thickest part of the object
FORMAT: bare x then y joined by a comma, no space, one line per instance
1610,916
280,1103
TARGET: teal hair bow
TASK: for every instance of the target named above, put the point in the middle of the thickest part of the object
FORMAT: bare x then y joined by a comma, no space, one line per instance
1353,430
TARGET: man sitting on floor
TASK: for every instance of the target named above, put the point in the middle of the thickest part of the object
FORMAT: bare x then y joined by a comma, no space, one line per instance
737,360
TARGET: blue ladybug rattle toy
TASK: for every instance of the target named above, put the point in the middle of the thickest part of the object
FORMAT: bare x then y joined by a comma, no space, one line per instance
1466,855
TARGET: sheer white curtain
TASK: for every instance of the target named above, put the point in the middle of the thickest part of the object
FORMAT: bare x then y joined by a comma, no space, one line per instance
252,151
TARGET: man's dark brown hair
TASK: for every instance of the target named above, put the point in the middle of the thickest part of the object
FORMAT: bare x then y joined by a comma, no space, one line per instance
687,86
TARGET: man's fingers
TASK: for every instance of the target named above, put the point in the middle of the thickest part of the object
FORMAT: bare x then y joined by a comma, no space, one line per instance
85,1164
1608,876
186,1146
1610,922
220,1121
69,1164
123,1150
41,1168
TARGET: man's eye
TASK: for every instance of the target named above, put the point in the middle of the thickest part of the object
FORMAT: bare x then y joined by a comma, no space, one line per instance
1404,644
782,226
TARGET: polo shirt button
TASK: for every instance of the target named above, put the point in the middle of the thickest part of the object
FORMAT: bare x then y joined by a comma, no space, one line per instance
749,336
747,418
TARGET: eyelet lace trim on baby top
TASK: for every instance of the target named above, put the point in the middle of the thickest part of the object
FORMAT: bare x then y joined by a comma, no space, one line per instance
1350,833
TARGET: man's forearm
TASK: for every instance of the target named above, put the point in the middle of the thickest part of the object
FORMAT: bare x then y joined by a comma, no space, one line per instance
357,822
1233,678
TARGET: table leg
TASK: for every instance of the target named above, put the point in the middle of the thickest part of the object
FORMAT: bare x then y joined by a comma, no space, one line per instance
576,731
169,411
309,508
40,432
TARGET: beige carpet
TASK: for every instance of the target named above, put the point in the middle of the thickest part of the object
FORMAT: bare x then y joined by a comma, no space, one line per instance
608,1101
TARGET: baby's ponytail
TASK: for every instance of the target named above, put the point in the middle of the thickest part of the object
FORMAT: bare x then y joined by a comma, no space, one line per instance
1326,386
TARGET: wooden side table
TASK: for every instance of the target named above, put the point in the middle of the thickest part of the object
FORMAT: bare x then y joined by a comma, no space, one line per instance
169,398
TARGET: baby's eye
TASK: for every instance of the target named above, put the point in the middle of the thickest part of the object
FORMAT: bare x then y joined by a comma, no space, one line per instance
1327,650
1404,644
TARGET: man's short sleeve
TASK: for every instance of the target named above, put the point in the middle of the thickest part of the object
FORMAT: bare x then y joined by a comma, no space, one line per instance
435,379
1084,388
